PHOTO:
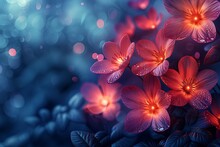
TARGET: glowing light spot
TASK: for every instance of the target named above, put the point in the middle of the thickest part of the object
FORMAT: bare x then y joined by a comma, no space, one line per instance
74,79
153,26
94,56
12,52
197,55
152,107
82,3
100,57
38,6
79,48
100,23
104,102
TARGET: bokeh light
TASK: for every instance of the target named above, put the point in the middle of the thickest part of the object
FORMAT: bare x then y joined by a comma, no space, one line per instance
79,48
12,52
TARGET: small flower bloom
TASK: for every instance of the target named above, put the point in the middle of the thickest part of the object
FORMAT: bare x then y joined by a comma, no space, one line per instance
154,55
192,18
189,86
125,28
102,99
214,117
149,22
148,106
117,59
139,4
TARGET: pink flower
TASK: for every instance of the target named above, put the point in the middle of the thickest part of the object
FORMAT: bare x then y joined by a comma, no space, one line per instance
102,99
189,86
125,28
117,59
139,4
149,22
148,106
192,17
214,117
154,55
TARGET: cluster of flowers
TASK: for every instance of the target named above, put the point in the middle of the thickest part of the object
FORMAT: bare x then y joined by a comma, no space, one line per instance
187,85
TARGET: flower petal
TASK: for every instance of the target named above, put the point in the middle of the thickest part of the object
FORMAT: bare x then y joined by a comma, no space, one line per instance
205,33
161,122
164,43
172,79
111,112
201,99
111,91
215,106
164,99
161,68
143,68
124,44
115,75
110,49
94,108
206,79
188,67
146,49
151,85
133,97
177,98
211,9
176,28
103,67
211,119
141,22
136,121
177,8
91,92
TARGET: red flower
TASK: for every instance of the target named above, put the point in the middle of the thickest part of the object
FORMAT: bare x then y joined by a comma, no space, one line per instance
102,100
117,59
125,28
190,86
154,55
214,117
139,4
148,106
192,17
149,22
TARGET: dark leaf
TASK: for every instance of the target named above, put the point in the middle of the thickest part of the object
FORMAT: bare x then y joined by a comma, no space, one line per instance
213,55
215,143
84,139
191,117
76,101
76,116
178,138
146,144
125,142
200,135
103,137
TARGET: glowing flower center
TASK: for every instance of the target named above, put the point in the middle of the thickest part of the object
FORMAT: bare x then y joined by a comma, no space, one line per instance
104,102
151,108
120,61
195,19
153,26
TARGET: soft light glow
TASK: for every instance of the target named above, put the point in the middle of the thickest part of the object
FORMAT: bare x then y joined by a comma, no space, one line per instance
100,57
100,23
152,107
12,52
104,102
78,48
94,56
153,26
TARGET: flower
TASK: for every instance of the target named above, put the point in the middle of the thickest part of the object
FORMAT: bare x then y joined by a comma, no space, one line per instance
139,4
117,59
102,100
192,17
214,117
125,28
148,106
154,55
190,86
149,22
